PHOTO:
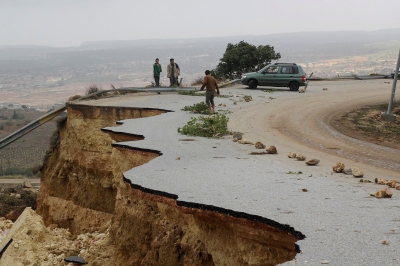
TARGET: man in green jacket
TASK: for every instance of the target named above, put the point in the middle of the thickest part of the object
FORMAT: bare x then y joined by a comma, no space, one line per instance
156,72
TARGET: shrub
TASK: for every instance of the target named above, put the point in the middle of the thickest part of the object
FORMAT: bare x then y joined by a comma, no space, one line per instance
197,108
92,89
212,126
198,81
191,93
73,98
195,93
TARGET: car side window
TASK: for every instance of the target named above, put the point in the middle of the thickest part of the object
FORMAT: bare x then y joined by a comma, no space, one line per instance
289,70
272,70
284,70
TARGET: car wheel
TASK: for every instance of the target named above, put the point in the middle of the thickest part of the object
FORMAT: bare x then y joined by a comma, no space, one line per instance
253,84
294,86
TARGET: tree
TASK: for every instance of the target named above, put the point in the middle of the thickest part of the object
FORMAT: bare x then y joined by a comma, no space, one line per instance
242,58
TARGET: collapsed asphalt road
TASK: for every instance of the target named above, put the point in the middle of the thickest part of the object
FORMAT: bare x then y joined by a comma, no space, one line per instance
343,224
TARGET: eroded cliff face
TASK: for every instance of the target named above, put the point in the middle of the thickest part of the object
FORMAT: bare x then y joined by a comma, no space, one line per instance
83,189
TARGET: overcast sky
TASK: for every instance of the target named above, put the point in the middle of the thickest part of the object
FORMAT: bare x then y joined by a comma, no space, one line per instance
71,22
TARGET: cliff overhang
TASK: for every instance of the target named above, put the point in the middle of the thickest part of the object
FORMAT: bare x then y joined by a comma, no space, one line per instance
84,188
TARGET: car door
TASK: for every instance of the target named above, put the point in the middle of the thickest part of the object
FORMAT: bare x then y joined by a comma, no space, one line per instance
268,76
286,74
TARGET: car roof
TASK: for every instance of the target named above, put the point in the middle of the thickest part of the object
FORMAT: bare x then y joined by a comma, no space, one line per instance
292,64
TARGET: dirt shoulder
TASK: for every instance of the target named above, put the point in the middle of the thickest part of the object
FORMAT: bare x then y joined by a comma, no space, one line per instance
365,124
311,123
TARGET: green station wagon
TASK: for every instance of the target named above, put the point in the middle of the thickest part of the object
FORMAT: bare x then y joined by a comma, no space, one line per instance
276,75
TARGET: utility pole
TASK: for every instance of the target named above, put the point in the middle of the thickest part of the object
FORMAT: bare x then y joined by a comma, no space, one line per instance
389,116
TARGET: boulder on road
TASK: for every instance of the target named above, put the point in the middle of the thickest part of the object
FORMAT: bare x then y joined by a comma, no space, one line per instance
312,162
272,150
338,167
383,193
357,172
301,157
259,145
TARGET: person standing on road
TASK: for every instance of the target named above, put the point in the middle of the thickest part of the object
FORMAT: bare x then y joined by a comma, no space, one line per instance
179,73
172,73
156,72
211,86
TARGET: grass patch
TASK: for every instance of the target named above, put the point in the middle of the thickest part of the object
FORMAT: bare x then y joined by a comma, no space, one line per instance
197,93
269,90
368,120
294,173
212,126
247,98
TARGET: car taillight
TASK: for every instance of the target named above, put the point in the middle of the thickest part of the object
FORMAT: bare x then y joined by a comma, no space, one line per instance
303,78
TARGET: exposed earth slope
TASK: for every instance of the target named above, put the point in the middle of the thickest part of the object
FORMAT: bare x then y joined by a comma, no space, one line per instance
218,205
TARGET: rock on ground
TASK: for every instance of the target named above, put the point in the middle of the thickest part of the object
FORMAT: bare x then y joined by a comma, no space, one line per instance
338,167
272,150
312,162
301,157
357,172
383,193
259,145
245,141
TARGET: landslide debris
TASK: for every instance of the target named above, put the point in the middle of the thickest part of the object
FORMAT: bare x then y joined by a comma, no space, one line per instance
36,244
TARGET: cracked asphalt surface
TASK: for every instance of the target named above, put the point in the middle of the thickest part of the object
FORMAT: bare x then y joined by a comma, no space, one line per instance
343,224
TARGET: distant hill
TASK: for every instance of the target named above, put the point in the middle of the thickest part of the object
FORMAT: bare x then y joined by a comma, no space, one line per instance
197,54
295,38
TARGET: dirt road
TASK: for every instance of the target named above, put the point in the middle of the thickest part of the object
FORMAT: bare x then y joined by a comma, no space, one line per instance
305,123
19,181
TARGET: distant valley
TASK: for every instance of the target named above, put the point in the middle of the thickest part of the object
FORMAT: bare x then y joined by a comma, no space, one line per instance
42,76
